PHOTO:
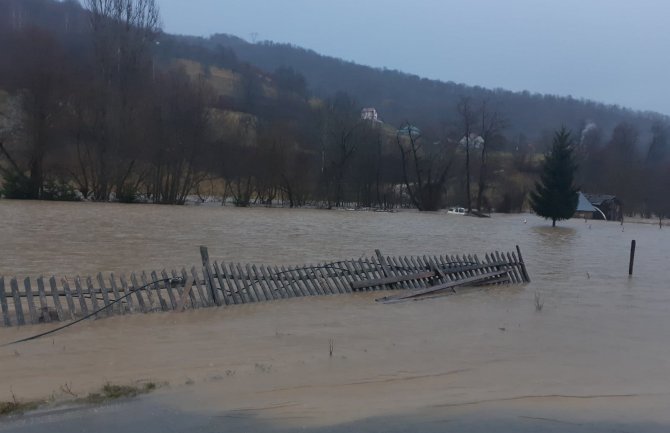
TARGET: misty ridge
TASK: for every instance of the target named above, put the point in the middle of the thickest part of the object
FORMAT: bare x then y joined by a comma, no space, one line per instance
101,105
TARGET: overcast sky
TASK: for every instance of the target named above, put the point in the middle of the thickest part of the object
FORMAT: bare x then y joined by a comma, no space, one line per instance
613,51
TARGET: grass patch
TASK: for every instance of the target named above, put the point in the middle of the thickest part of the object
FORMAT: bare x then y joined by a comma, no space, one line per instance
16,407
114,392
108,392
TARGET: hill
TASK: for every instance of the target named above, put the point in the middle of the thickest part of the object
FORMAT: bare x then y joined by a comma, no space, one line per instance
400,96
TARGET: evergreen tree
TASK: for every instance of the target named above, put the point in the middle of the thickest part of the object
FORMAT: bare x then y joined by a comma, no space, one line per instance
555,196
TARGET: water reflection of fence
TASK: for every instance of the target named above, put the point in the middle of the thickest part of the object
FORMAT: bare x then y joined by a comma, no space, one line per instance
219,284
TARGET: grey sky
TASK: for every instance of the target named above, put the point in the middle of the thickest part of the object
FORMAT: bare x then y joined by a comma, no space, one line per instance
613,51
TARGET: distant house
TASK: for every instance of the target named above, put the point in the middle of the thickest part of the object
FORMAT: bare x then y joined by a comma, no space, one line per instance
584,208
475,141
599,207
370,114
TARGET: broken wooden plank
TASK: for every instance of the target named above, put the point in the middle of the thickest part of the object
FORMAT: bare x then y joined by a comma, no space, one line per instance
194,300
382,262
390,280
444,286
526,277
185,295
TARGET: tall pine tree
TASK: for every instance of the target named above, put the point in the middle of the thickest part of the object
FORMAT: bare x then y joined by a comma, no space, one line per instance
555,196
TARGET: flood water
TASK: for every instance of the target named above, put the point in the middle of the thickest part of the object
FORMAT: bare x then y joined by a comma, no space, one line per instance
598,352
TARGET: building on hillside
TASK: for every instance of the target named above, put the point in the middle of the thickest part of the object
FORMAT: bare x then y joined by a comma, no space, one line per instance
370,114
475,141
608,207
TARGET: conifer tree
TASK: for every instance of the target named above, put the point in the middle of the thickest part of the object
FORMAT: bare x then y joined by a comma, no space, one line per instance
555,196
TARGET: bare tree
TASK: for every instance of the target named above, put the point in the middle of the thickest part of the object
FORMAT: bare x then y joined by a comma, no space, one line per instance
179,135
491,126
123,33
36,75
468,120
342,123
424,172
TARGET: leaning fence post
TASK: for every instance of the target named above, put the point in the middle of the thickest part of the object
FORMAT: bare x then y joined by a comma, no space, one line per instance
204,255
207,274
632,258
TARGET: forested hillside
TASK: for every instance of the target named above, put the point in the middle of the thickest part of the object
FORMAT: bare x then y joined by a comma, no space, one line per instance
398,95
102,105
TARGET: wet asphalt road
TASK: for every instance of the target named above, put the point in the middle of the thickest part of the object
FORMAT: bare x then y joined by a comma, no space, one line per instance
149,415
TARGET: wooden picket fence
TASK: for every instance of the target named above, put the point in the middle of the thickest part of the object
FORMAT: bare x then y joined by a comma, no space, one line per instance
219,284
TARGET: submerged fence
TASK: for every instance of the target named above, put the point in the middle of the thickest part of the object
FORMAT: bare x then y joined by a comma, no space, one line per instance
41,300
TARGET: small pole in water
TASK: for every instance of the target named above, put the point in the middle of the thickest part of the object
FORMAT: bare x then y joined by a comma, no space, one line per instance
632,258
204,255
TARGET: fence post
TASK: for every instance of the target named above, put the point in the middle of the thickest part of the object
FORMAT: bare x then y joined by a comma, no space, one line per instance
207,274
632,258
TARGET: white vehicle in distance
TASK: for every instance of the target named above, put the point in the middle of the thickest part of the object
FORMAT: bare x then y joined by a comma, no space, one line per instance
456,210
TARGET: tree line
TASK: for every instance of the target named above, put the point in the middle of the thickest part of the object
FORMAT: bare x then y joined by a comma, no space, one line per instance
99,104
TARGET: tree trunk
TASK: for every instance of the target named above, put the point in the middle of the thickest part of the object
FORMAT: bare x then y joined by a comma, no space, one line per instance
467,173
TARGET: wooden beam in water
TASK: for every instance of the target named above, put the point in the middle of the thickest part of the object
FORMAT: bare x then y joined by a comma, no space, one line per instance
526,277
440,287
390,280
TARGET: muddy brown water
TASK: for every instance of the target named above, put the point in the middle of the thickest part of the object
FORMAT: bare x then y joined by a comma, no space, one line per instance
598,351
